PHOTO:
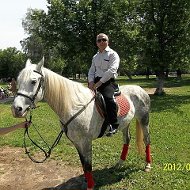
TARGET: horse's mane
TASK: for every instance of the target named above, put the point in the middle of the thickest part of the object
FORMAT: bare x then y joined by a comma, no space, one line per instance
64,96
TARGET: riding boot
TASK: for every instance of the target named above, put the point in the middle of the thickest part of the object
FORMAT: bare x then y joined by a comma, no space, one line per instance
112,115
107,90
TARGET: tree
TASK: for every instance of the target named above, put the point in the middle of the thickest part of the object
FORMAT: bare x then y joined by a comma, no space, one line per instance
71,27
33,46
165,33
11,62
152,35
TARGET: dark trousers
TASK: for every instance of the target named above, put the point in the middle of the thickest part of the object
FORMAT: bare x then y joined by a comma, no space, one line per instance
107,89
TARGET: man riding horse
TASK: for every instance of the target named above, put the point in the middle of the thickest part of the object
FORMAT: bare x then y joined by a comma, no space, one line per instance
101,76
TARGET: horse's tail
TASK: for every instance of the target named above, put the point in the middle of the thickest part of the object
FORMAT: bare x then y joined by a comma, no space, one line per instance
139,138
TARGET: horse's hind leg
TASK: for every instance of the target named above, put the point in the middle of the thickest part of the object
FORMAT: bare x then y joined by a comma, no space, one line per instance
144,127
124,153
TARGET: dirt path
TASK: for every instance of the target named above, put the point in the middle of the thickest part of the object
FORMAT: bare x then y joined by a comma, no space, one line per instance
18,172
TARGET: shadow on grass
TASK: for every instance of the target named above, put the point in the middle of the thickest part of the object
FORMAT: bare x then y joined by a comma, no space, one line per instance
103,177
168,102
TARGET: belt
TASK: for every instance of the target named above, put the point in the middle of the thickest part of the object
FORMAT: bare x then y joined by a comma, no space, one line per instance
98,78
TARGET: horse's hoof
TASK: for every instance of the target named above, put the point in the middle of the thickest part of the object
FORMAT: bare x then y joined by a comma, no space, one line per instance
119,164
147,168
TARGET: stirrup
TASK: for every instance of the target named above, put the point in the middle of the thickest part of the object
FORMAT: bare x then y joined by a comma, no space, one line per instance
111,131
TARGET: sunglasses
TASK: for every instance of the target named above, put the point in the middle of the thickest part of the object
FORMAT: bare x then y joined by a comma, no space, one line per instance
101,40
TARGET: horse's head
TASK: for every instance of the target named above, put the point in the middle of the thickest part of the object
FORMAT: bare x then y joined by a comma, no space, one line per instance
30,91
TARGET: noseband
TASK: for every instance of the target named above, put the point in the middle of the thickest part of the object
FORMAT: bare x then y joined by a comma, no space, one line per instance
32,99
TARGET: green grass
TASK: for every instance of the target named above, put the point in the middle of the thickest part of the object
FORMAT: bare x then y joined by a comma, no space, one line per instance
170,142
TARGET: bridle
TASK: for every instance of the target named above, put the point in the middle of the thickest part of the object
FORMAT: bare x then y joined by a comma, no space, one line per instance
33,106
64,129
32,99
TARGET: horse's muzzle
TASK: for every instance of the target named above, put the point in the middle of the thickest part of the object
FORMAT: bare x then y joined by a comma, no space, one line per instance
18,111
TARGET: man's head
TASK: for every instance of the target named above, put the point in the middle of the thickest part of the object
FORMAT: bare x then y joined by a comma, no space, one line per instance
102,41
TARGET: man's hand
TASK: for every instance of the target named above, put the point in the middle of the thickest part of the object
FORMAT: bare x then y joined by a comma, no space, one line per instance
24,124
97,85
91,86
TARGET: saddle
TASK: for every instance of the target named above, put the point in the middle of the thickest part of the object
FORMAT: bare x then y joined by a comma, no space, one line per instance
122,104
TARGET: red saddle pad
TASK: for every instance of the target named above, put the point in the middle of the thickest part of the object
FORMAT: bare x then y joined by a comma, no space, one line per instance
123,105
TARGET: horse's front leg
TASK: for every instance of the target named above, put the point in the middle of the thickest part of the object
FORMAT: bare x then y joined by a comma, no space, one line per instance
85,154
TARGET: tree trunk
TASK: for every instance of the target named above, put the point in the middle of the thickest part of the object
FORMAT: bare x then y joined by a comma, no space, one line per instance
147,73
160,84
167,73
129,75
178,74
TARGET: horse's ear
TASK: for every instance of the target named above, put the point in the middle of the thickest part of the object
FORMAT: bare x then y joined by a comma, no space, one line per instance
40,64
28,63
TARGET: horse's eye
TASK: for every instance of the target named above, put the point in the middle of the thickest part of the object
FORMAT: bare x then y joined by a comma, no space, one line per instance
33,82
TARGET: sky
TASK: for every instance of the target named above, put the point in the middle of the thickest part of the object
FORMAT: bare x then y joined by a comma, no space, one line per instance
11,14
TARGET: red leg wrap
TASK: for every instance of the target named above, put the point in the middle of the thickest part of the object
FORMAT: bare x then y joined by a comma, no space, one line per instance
124,152
89,178
148,157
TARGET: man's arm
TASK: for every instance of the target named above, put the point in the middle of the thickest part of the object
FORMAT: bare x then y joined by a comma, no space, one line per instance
113,67
6,130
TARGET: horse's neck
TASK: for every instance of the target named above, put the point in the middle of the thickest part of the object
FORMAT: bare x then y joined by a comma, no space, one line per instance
63,95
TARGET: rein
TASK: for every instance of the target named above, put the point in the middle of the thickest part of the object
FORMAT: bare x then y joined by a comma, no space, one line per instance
64,129
46,154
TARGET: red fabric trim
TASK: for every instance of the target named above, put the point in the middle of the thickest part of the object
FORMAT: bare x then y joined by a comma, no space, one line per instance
148,157
124,152
89,178
123,104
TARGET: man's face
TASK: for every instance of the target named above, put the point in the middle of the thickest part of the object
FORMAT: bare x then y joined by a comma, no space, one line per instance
102,42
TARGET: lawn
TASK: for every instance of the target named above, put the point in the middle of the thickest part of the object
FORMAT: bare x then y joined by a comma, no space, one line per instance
170,142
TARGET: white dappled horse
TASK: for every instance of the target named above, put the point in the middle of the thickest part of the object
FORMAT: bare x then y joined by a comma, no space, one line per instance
67,97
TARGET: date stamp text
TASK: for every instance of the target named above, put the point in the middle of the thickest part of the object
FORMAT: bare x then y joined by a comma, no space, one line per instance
176,166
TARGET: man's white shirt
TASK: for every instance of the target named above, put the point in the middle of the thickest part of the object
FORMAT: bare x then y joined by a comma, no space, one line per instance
104,65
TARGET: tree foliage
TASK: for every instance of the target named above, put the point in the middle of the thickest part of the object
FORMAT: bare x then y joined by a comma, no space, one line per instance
32,45
11,62
70,27
164,35
147,34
